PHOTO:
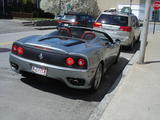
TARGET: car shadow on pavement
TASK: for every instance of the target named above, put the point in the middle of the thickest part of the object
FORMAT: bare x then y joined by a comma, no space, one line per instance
5,50
149,62
56,87
133,50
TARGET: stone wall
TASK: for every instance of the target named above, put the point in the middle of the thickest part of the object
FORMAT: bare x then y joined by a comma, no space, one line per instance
63,6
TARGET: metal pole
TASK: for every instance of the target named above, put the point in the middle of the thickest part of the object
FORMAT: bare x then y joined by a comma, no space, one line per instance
37,3
60,4
130,3
131,6
3,7
145,32
155,15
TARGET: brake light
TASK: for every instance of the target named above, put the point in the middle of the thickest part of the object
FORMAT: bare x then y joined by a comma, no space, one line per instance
126,28
81,62
69,61
97,24
20,51
76,23
14,48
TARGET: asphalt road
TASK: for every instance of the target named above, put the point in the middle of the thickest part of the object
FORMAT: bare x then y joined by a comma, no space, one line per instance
47,99
42,98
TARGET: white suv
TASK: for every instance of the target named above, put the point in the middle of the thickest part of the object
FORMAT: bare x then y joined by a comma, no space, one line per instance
122,26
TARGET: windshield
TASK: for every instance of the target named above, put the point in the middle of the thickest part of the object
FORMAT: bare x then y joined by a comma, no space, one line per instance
71,18
72,33
113,20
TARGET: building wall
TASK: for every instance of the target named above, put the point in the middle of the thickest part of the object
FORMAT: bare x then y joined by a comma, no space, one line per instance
138,6
106,4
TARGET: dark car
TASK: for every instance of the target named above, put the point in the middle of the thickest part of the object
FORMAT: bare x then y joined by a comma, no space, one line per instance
77,56
76,19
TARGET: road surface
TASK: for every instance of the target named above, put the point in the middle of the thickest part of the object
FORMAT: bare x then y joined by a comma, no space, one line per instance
47,99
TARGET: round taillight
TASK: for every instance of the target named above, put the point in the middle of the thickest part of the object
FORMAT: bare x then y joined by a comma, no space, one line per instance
69,61
81,62
14,48
20,50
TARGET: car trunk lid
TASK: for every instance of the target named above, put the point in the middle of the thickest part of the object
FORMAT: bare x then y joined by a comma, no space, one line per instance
61,45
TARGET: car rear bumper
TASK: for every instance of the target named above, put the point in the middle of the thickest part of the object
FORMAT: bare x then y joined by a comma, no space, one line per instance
123,37
125,40
67,75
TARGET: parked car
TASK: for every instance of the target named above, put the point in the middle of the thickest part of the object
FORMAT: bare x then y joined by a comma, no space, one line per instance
122,26
58,17
77,56
76,19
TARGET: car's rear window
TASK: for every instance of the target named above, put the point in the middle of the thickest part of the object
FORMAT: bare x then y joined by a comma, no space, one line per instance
113,20
71,18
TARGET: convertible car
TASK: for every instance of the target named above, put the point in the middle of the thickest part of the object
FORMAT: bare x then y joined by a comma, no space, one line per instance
77,56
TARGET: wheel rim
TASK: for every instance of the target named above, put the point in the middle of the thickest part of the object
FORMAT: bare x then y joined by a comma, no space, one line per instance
98,77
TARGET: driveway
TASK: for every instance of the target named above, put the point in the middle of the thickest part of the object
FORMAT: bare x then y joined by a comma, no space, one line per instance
13,26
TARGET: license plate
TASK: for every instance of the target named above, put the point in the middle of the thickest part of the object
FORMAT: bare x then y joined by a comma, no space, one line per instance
66,25
39,70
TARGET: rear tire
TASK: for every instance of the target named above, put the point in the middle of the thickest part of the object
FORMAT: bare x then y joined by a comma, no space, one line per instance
130,47
117,57
138,39
97,78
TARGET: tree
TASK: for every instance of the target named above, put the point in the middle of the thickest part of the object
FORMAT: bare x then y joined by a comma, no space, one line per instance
26,1
63,6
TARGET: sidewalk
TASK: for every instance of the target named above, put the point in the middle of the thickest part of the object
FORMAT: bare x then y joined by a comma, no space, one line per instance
30,23
138,97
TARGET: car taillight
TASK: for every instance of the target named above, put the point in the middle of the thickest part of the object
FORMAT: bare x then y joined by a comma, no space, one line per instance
126,28
20,51
97,24
17,49
81,62
14,48
69,61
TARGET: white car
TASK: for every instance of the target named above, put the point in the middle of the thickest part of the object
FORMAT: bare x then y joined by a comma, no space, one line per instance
122,26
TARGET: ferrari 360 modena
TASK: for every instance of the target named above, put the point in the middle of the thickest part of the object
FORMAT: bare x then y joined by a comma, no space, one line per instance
77,56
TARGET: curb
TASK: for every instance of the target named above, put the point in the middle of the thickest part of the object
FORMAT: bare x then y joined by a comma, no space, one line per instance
158,23
98,112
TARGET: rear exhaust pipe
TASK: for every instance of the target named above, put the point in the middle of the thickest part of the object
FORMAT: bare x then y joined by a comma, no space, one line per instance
76,81
14,66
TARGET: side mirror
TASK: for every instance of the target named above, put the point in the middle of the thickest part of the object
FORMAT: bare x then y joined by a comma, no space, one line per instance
117,41
106,43
140,24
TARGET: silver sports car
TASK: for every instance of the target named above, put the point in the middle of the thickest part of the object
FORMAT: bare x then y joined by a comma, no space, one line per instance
75,55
